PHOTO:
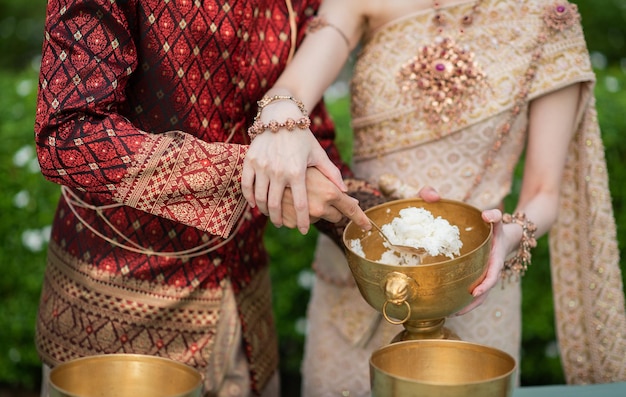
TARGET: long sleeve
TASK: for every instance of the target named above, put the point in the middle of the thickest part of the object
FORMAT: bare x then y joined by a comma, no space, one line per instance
85,138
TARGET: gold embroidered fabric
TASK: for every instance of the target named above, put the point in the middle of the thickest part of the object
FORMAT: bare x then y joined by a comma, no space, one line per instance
392,138
586,277
117,319
170,177
121,317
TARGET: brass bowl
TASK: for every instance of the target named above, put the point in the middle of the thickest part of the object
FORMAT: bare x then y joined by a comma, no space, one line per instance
443,368
420,297
124,375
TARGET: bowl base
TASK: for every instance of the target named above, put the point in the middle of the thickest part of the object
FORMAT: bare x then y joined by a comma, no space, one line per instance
442,333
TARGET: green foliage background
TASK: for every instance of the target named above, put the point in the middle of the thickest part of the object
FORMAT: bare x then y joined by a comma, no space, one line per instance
27,205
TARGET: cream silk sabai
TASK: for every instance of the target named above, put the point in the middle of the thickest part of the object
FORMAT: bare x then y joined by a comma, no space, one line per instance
391,138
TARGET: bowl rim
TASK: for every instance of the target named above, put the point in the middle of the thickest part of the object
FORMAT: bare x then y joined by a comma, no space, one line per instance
128,357
465,344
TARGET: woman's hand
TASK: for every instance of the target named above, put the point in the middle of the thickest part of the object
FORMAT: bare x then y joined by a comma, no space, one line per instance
429,194
279,160
500,246
499,249
497,255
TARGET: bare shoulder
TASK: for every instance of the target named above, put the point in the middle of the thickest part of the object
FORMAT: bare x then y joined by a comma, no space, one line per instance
347,15
349,8
381,12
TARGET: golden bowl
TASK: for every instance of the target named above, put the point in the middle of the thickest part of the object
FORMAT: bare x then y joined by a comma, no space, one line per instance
124,375
443,368
420,296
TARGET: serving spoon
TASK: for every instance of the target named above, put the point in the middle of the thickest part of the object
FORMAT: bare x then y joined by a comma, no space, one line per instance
405,249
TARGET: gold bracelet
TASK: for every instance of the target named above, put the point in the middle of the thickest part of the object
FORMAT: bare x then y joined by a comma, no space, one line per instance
517,265
258,127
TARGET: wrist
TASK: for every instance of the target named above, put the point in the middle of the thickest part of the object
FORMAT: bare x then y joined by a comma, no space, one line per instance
261,124
516,266
280,110
513,233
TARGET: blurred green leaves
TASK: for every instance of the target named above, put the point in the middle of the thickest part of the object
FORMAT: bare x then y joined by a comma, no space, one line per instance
27,206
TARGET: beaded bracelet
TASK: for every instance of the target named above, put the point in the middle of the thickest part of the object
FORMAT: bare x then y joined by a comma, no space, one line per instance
259,127
517,265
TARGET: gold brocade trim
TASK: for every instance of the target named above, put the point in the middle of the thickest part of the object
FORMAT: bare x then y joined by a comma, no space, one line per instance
209,246
379,106
586,276
257,318
392,134
85,311
181,178
444,80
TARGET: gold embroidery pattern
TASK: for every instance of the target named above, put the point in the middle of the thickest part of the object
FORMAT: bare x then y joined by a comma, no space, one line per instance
561,15
85,311
257,319
180,178
444,80
586,277
375,91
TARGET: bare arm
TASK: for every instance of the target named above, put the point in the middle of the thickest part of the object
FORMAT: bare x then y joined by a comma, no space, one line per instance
551,128
279,160
323,53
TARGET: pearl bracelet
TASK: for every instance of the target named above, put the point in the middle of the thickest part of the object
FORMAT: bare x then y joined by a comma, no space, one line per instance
517,265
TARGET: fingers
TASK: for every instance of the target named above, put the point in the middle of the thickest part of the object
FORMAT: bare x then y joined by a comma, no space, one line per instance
495,264
247,183
349,207
300,206
330,170
429,194
264,182
289,212
492,216
273,202
277,161
289,216
496,256
255,182
491,279
475,303
261,186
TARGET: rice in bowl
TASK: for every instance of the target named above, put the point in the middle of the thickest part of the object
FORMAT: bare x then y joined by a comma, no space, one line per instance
418,228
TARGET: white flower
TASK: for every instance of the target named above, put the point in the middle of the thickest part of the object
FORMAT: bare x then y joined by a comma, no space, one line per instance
21,199
23,156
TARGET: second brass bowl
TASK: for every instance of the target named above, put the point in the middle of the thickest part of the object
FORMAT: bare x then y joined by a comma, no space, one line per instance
124,375
421,296
443,368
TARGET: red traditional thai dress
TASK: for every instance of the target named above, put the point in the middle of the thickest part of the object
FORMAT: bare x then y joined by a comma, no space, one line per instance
142,116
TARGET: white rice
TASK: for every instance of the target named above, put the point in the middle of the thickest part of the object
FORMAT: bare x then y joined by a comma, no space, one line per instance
355,245
417,227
